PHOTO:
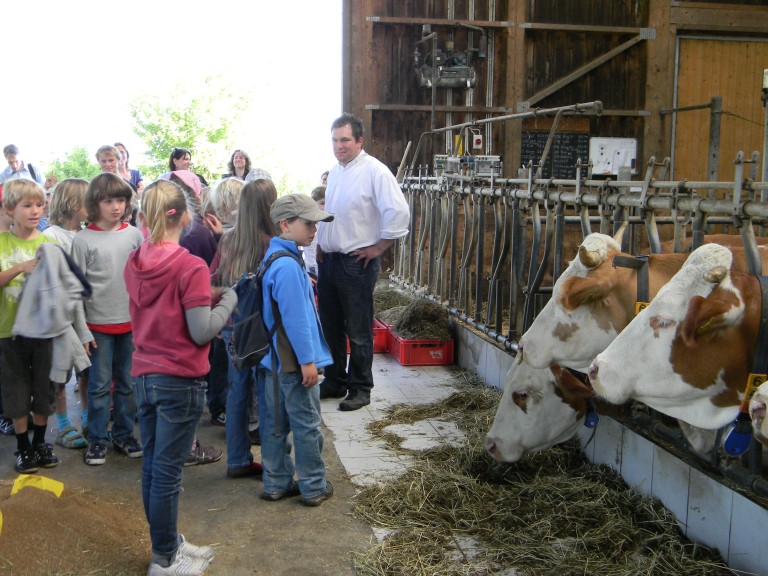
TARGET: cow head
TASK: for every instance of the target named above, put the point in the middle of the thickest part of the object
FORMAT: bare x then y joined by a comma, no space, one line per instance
666,358
586,310
533,414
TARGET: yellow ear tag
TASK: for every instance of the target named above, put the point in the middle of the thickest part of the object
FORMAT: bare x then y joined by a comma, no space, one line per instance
640,306
753,383
40,482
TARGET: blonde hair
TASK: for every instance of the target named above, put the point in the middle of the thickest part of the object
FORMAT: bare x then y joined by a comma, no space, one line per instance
225,197
243,247
14,191
68,198
163,204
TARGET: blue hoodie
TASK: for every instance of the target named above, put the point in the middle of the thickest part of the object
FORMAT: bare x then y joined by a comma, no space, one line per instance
288,284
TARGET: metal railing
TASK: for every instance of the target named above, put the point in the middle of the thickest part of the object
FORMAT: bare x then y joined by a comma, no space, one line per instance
489,248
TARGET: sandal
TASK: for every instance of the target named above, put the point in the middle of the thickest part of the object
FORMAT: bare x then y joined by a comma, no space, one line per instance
69,437
203,455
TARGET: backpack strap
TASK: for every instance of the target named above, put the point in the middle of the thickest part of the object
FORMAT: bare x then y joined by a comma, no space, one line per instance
31,170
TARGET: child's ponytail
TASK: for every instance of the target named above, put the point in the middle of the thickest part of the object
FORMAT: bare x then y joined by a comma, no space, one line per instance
163,205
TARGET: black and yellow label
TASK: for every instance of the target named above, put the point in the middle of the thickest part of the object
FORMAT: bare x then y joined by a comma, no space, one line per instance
753,383
640,306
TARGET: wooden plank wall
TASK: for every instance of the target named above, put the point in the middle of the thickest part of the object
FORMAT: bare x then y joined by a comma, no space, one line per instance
534,43
733,70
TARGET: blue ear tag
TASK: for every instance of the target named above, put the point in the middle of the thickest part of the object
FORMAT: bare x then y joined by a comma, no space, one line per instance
738,436
592,419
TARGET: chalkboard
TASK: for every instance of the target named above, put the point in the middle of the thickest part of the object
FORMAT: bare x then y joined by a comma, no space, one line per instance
566,148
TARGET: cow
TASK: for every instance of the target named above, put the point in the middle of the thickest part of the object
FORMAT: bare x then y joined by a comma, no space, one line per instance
592,301
689,353
539,408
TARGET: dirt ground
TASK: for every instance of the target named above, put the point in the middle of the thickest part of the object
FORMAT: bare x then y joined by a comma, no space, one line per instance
98,526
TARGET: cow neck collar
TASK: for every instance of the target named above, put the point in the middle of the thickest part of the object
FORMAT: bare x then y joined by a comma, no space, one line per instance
639,263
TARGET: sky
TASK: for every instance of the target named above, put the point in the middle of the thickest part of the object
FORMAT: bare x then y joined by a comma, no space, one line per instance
71,81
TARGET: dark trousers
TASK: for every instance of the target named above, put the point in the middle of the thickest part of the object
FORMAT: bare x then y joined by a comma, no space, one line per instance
345,298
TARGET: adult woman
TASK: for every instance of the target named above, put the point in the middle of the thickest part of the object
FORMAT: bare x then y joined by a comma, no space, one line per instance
239,165
133,177
180,159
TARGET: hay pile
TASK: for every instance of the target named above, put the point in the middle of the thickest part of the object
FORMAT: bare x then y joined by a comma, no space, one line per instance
385,298
390,316
423,320
459,512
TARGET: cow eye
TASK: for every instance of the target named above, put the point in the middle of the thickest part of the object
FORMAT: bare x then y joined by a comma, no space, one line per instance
520,399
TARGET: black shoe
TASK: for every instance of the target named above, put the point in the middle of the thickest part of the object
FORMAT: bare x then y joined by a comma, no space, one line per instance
292,491
219,419
26,461
355,400
253,469
328,390
96,454
255,437
317,500
45,456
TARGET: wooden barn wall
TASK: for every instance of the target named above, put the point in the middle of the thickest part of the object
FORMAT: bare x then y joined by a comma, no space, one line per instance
739,80
532,44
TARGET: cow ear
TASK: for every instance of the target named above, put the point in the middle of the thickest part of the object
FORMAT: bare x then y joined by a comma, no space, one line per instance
705,315
569,384
577,291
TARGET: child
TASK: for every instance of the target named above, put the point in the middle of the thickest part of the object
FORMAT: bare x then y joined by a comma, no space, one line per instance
301,350
170,304
101,251
310,252
26,362
67,213
241,250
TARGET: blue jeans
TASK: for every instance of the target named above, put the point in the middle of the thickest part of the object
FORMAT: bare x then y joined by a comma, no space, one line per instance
169,410
241,388
345,298
299,411
111,360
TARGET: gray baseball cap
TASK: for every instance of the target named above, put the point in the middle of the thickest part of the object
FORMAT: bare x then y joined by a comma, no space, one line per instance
298,206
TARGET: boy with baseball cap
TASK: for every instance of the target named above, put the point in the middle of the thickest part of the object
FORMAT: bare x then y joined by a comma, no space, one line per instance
301,350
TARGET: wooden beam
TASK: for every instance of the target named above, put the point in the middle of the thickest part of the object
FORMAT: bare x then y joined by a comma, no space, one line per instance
437,22
515,81
581,71
659,84
578,28
719,17
438,108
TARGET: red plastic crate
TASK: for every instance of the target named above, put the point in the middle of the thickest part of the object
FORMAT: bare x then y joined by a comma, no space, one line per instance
420,352
380,333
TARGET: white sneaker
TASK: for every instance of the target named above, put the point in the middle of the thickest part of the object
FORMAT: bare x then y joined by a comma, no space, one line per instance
183,566
192,551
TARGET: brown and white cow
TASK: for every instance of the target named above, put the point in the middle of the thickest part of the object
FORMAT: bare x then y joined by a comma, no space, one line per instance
592,302
539,408
689,353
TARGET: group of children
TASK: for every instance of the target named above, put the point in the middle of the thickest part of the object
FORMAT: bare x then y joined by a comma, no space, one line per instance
149,320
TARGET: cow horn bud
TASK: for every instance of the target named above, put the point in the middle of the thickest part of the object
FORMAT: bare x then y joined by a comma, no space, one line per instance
590,259
619,236
716,274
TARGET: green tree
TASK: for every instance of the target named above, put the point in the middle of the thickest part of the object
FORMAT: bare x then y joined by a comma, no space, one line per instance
76,164
199,121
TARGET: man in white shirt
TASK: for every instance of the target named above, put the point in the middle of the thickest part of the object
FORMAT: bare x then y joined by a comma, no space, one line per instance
370,214
17,168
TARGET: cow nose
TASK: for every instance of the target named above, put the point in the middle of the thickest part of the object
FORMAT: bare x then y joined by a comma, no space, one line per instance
756,409
593,372
490,446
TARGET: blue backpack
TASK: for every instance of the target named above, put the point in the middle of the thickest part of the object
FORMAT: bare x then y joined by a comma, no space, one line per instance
251,339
